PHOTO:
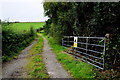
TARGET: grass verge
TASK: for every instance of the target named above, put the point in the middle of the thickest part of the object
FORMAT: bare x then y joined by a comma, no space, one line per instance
75,67
36,67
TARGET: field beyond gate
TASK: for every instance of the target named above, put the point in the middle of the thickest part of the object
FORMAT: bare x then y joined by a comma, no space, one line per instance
88,49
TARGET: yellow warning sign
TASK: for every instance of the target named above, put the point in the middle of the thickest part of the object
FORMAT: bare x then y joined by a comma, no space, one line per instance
75,41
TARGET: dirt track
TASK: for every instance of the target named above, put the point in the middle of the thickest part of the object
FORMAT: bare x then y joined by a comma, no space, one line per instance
16,68
54,68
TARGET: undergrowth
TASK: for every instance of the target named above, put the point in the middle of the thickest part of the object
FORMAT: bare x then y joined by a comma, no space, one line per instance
36,67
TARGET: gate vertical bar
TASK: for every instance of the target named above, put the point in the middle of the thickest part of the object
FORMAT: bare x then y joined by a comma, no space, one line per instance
104,54
86,45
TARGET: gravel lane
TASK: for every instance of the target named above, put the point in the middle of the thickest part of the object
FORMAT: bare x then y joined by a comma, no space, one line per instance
16,68
54,68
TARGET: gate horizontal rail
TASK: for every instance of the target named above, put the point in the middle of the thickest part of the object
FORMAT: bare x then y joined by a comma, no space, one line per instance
85,48
87,43
83,37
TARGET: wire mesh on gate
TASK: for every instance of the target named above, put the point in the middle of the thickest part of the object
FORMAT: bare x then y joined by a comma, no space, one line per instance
88,49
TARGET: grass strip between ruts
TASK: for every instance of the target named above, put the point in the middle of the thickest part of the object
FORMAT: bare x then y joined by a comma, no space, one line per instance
36,67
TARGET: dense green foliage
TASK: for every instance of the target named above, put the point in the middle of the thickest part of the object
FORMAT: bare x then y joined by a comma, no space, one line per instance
13,42
86,19
36,67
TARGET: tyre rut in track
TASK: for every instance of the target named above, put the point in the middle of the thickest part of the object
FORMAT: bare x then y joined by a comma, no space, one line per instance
54,68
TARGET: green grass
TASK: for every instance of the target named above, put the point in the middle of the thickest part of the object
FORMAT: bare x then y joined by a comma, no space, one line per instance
36,67
75,67
24,27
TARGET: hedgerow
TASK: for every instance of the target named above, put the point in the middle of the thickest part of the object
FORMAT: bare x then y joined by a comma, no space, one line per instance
13,42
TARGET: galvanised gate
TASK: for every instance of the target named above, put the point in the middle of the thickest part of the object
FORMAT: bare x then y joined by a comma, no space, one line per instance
88,49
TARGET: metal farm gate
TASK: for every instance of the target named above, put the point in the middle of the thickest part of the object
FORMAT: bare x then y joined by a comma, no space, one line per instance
88,49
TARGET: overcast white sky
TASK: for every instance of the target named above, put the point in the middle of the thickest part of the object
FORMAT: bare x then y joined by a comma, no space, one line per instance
22,10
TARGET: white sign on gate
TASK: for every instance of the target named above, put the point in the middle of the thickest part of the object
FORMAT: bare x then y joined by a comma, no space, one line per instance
75,41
